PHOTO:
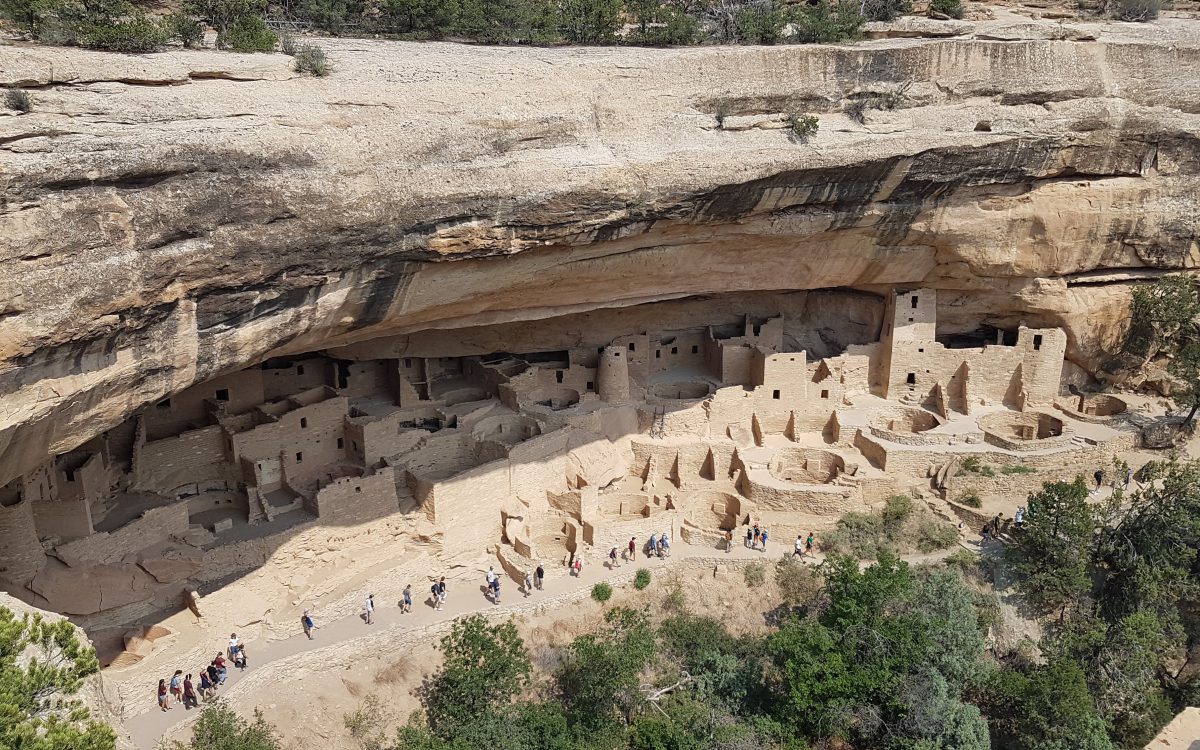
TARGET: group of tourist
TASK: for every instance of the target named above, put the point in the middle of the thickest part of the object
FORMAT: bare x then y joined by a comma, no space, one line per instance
756,537
804,546
183,689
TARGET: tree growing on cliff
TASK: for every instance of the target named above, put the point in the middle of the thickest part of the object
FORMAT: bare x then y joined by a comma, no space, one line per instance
220,727
42,667
1163,322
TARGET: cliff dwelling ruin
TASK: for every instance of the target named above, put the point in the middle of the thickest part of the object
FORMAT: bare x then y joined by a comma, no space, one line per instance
531,455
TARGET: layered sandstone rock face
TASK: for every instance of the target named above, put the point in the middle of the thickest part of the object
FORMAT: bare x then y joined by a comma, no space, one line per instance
168,218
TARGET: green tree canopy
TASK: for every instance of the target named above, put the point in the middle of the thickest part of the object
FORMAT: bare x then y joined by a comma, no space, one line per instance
42,667
1051,553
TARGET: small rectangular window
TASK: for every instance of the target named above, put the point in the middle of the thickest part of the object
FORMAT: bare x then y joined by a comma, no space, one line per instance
299,458
303,422
358,489
910,320
921,351
658,353
914,302
631,346
674,349
299,369
222,394
341,443
407,362
558,376
824,394
1037,342
695,350
591,385
775,395
912,378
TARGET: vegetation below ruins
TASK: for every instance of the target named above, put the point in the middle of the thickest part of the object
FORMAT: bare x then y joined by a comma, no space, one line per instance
42,667
898,527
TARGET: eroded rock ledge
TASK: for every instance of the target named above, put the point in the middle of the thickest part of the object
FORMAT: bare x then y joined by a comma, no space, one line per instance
169,218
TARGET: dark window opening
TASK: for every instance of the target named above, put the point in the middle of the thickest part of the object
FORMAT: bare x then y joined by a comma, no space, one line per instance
70,474
222,394
358,489
674,349
922,351
912,378
303,422
757,329
910,320
591,385
914,302
631,346
775,395
164,404
658,353
407,362
299,458
558,376
695,350
299,369
341,443
343,373
1037,342
824,394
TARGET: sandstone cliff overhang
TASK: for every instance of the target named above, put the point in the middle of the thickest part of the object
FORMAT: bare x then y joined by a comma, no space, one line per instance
167,218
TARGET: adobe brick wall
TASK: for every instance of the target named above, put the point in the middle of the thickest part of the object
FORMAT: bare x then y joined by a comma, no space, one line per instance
21,555
354,500
201,455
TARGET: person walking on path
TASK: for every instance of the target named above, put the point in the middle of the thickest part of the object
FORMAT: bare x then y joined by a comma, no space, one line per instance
219,662
495,589
757,536
206,686
214,676
164,702
306,621
632,548
437,597
539,576
763,538
369,609
652,546
528,584
728,540
189,694
406,599
441,592
578,566
177,686
749,535
612,558
798,550
1099,476
664,544
808,545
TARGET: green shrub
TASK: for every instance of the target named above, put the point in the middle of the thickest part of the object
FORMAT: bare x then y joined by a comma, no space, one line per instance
601,592
247,34
641,579
755,575
137,34
897,509
971,500
287,44
310,59
885,10
963,559
1018,469
933,536
760,23
1135,10
826,22
952,8
186,29
18,100
802,127
797,583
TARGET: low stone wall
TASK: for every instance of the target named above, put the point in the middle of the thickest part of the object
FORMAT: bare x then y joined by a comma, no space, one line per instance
154,526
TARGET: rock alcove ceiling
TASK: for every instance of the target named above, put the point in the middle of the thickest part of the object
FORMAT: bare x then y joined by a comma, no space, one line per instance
169,218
